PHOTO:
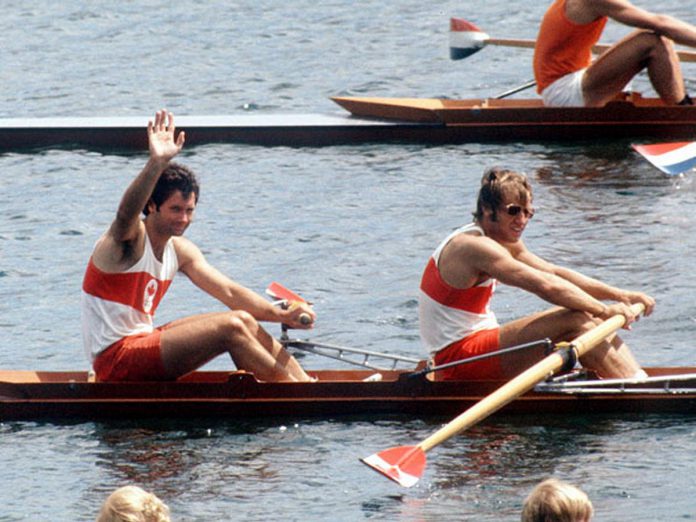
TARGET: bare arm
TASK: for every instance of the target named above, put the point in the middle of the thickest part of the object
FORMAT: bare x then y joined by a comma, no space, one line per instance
523,270
124,240
489,256
593,287
163,146
232,294
626,13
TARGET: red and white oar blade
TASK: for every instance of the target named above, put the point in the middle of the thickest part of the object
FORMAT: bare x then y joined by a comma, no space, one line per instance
403,464
465,38
670,158
278,291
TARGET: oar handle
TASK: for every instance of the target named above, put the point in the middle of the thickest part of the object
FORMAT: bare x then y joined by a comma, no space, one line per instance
585,342
526,380
305,318
289,300
511,42
684,56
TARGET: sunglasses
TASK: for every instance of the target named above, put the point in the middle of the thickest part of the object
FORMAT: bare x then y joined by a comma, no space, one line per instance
513,210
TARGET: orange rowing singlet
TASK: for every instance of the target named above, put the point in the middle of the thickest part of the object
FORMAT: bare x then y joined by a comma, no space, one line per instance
563,47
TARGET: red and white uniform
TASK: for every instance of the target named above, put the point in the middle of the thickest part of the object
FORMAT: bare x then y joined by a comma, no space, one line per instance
448,314
117,305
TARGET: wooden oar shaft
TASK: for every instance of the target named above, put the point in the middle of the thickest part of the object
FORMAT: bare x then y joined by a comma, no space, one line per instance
510,42
525,381
684,56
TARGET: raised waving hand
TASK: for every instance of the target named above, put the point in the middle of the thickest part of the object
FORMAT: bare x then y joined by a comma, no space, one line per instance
163,142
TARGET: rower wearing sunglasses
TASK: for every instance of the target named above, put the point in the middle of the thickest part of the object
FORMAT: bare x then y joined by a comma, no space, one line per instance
456,321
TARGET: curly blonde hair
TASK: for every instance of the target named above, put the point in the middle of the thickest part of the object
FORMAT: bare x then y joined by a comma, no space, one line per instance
133,504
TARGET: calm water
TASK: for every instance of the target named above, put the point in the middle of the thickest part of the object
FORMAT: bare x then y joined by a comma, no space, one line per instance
350,228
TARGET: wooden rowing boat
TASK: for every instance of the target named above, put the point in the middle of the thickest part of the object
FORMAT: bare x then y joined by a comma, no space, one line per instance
68,395
372,120
491,119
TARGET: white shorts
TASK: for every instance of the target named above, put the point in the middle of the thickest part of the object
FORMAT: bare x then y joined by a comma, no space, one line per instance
565,92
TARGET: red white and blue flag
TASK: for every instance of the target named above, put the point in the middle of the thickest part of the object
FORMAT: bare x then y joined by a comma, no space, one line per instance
670,158
465,38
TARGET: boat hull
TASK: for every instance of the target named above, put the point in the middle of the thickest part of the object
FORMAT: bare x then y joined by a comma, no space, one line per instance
69,396
528,119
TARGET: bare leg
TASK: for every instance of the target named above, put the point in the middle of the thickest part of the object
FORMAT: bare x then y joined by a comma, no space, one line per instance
189,343
608,75
609,359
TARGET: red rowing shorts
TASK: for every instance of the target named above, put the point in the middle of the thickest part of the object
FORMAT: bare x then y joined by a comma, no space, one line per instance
478,343
133,358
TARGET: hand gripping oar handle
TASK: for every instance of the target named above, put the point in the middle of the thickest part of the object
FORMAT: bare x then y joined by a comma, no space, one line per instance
278,291
304,317
527,380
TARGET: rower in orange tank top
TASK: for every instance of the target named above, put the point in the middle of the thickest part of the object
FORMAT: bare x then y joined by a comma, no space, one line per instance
565,73
563,46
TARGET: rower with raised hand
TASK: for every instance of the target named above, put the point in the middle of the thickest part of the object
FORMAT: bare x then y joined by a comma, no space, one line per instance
563,67
456,321
132,266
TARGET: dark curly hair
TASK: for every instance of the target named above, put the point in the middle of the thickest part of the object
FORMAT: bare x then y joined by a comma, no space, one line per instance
175,177
495,184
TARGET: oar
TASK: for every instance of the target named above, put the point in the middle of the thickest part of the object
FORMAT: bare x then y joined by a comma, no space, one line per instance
282,294
405,464
278,291
467,39
515,90
670,158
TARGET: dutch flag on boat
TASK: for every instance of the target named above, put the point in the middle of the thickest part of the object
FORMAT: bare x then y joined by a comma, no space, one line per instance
670,158
465,39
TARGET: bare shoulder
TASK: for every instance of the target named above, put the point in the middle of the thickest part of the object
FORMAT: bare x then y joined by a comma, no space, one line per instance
465,260
472,244
586,11
186,251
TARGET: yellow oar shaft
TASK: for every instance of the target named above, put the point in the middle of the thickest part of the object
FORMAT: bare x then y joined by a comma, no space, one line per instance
525,381
684,56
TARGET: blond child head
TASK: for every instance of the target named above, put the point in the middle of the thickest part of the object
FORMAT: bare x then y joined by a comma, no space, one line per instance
556,501
133,504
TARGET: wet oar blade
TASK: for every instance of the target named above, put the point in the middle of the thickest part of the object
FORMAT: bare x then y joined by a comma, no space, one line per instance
465,39
403,464
670,158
